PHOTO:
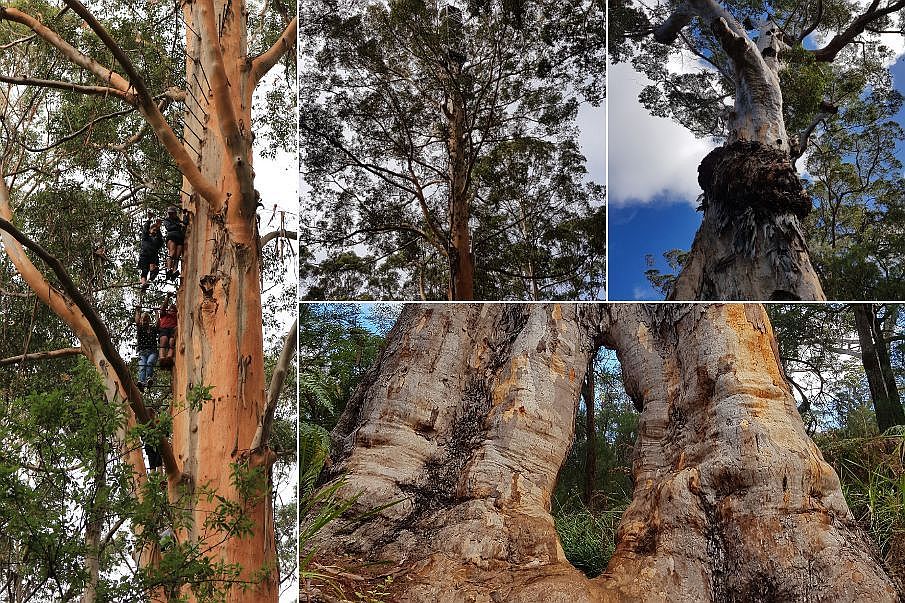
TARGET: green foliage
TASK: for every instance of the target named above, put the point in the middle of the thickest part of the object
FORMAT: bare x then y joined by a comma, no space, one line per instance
855,241
586,525
665,281
588,539
198,395
377,157
337,345
872,471
820,353
314,448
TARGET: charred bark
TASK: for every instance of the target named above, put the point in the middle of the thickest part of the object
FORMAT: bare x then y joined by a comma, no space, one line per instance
468,418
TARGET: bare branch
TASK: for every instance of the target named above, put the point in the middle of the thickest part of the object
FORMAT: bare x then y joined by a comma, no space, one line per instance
70,52
69,87
286,234
48,355
828,53
262,434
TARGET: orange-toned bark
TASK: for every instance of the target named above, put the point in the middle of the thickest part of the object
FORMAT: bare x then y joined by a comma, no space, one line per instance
220,339
219,343
458,433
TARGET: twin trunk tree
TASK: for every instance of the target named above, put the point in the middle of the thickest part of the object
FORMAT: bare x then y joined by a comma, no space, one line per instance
468,415
881,379
219,341
750,245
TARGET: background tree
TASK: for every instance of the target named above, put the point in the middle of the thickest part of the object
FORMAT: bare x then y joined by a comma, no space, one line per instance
855,232
410,114
750,244
106,121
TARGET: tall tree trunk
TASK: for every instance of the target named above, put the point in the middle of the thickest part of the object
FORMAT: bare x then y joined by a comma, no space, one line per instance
461,263
467,417
590,468
219,340
95,520
750,245
219,343
877,367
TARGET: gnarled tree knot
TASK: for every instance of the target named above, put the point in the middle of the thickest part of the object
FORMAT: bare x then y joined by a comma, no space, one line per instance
750,175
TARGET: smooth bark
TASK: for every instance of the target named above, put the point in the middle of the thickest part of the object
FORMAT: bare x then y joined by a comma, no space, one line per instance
219,343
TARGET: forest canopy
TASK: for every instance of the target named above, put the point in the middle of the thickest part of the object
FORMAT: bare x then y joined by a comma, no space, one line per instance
439,150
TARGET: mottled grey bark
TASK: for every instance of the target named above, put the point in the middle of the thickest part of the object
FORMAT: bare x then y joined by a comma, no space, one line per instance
469,415
750,245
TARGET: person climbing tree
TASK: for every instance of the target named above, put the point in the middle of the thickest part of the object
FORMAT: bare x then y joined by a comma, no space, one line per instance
149,254
167,327
175,229
146,334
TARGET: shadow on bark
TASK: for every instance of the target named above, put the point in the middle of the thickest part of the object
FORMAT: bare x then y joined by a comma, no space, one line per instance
469,414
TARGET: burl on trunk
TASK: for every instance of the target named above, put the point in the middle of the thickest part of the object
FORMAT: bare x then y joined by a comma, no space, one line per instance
469,414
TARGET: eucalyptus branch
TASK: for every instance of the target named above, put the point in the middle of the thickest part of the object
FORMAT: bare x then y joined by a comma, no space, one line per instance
267,60
262,434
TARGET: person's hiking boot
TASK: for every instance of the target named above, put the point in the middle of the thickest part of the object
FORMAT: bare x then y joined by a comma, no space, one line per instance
140,385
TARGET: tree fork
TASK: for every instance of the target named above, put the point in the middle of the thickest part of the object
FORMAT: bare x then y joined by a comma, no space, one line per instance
465,421
749,246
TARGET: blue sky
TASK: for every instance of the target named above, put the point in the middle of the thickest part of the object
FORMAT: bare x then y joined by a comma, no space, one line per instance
652,184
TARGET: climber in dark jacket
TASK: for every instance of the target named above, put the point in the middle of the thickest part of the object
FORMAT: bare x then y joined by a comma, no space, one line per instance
146,334
149,254
175,234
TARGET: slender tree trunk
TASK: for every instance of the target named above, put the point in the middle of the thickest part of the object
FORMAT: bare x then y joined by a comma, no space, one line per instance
461,263
467,417
590,475
219,343
750,245
95,522
877,367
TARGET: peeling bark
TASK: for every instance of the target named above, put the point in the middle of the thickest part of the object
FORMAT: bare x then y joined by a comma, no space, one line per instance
469,414
750,245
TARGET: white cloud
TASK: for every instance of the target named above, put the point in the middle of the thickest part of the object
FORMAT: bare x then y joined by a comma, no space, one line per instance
648,156
592,137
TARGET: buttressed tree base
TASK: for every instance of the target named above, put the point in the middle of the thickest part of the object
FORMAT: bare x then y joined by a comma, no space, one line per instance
468,414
